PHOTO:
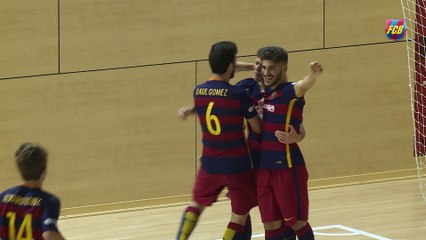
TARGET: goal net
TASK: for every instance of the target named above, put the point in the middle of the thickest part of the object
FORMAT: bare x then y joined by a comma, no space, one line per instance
415,19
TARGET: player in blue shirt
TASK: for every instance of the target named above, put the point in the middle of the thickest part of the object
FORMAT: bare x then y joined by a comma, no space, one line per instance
282,175
225,162
26,211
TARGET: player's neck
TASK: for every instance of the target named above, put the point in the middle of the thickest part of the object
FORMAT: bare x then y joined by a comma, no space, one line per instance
281,82
261,86
32,184
217,77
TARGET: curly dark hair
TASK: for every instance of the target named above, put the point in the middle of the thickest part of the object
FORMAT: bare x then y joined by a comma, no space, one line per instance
274,54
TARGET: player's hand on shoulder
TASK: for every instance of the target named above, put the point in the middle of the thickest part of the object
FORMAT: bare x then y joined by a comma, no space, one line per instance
315,68
184,112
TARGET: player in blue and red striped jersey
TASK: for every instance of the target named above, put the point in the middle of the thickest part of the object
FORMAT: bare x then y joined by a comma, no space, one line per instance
225,162
282,175
255,87
26,211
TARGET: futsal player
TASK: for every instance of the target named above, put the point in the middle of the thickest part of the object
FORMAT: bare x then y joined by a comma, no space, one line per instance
282,175
225,162
26,211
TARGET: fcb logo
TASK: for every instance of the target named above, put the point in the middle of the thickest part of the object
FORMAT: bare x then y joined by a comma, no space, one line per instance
395,29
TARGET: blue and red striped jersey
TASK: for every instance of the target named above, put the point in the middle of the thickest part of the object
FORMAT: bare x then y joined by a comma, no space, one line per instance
281,108
221,109
25,213
252,88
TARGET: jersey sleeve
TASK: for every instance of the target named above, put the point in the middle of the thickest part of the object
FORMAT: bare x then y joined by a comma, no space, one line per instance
51,214
290,91
247,105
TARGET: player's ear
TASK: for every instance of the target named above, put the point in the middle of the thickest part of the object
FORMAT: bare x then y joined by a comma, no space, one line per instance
231,67
43,176
284,67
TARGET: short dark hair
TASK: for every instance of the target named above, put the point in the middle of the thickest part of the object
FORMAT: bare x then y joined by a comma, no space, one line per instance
274,54
221,55
31,160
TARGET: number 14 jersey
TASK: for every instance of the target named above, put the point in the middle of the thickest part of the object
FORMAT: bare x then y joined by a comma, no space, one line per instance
25,213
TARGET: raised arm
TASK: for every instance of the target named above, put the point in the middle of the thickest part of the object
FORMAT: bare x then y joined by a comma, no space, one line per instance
302,86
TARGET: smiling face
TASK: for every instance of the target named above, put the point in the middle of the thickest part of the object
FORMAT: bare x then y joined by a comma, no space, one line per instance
273,73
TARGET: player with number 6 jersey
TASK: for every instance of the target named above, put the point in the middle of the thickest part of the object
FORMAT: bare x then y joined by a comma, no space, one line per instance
221,109
225,162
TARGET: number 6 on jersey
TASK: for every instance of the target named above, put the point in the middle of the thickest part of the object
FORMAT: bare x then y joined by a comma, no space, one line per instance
209,118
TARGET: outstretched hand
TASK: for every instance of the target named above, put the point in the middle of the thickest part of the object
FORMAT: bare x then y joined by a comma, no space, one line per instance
184,112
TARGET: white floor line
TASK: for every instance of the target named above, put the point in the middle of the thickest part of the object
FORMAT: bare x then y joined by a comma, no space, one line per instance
350,232
373,236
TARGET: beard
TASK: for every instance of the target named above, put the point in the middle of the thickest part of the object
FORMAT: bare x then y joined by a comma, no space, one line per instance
276,81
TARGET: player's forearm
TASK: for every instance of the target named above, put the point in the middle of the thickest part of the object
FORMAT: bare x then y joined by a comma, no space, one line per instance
184,112
302,132
302,86
315,70
244,66
255,124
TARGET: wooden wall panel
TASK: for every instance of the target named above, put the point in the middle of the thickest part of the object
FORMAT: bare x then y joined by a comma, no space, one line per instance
357,115
114,33
358,21
112,135
29,37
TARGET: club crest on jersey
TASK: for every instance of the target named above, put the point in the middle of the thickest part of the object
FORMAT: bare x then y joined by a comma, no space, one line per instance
269,108
395,29
251,109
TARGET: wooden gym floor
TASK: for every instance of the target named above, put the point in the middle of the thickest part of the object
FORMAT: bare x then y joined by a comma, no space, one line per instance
384,210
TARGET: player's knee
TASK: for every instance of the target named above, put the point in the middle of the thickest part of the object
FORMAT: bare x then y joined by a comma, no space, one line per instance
197,206
299,225
272,225
239,219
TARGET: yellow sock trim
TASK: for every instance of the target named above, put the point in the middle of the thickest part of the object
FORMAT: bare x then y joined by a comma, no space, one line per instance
229,234
188,225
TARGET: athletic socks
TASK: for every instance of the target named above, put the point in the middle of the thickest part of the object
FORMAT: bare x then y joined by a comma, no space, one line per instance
234,232
305,233
288,232
247,229
188,222
276,234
